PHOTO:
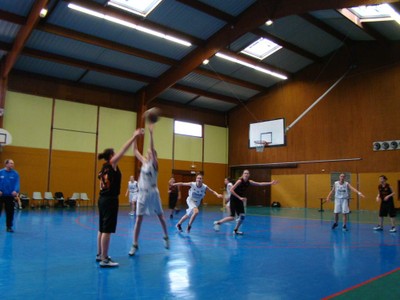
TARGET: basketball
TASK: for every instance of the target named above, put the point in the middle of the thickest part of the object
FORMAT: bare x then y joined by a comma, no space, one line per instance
152,115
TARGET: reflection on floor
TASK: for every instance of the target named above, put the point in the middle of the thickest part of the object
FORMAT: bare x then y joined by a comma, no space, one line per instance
284,254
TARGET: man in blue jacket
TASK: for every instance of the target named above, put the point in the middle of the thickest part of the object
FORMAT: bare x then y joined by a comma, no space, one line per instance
9,189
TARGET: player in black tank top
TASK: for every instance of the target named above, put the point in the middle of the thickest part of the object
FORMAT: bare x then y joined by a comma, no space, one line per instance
237,200
110,185
385,196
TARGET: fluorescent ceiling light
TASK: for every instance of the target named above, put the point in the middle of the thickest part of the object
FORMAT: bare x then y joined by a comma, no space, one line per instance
376,13
261,48
269,22
249,65
139,7
129,24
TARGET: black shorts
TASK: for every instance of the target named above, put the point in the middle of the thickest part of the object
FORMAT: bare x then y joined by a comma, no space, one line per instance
387,208
173,198
236,207
108,214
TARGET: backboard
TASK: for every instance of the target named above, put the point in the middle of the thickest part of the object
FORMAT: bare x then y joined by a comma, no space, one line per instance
272,131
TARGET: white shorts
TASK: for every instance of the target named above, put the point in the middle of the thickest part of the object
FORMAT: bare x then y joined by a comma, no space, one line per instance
191,205
149,203
341,206
133,197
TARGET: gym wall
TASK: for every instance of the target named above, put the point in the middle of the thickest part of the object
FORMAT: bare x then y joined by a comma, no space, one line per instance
364,107
56,142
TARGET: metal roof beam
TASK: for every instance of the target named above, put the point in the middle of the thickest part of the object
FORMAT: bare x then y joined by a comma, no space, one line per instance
23,35
249,20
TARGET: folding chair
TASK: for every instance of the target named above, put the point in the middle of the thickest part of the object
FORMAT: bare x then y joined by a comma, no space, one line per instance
84,197
48,196
37,196
73,200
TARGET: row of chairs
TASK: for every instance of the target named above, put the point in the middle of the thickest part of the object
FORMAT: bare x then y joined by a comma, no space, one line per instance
58,199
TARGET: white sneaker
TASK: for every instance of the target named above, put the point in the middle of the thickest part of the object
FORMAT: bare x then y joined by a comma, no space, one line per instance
393,229
108,263
378,228
133,250
216,226
166,242
235,232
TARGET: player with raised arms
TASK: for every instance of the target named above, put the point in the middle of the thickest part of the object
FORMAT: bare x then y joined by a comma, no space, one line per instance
237,201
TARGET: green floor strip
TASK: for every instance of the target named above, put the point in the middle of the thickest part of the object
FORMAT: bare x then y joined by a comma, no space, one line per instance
386,287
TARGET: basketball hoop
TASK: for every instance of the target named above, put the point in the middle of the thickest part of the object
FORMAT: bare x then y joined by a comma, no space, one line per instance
260,145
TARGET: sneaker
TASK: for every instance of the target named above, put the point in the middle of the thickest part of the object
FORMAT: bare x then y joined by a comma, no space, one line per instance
98,257
133,250
378,228
393,229
188,229
217,226
108,263
178,227
131,213
334,225
236,232
9,229
345,228
166,242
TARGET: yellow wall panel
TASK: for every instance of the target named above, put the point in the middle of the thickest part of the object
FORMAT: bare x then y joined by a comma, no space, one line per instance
75,116
188,148
163,138
28,119
215,144
115,128
74,141
290,191
318,186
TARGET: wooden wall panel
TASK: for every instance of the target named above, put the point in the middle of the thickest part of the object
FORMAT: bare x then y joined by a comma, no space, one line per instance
32,166
361,109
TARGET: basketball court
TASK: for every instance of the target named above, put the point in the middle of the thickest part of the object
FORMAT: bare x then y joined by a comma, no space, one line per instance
284,254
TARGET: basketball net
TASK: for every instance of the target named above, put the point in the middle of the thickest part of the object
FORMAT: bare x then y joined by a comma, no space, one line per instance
260,145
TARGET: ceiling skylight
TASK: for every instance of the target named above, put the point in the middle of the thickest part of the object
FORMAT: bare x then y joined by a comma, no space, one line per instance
139,7
375,13
261,48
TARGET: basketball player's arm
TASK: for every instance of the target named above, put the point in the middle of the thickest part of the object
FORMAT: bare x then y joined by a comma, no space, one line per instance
153,152
390,195
214,192
252,182
137,153
328,198
115,159
182,184
234,193
356,191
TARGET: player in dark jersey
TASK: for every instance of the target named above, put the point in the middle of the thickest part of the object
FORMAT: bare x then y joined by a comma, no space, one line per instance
385,195
237,200
110,185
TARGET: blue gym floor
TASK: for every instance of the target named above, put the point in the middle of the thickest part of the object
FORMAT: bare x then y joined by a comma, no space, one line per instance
284,254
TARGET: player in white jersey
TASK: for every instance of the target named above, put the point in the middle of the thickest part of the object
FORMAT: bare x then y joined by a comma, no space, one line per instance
132,192
197,192
341,189
227,196
148,201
